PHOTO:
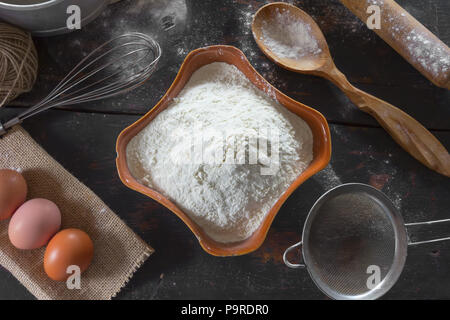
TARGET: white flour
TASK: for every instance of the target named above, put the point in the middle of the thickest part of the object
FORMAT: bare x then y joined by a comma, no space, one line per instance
226,199
288,37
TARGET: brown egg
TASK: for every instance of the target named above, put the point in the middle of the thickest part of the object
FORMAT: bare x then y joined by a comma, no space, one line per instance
68,247
13,192
34,223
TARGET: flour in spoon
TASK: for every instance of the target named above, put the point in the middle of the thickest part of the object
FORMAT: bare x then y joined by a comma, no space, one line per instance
288,37
221,113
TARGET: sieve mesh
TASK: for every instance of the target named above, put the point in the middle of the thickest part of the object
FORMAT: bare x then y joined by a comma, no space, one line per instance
348,233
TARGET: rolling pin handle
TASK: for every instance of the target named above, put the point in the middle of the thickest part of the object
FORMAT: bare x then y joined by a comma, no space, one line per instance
2,130
8,125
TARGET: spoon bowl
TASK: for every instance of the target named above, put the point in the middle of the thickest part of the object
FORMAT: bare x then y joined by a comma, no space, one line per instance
309,63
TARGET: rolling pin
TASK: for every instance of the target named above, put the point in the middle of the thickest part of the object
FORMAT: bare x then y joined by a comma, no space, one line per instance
421,48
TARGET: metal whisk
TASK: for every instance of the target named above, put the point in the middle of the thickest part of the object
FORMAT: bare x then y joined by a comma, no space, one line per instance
119,65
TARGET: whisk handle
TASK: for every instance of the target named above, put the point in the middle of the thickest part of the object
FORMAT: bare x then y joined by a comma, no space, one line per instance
287,262
8,125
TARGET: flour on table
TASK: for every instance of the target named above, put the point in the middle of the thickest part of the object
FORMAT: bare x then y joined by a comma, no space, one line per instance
230,197
288,37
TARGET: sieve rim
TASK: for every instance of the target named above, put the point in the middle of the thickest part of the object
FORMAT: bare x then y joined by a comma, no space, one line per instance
400,250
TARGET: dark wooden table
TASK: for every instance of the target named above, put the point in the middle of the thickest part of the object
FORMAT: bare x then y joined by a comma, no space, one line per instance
82,138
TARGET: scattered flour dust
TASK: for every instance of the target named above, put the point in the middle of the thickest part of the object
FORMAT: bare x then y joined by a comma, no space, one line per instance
433,58
228,199
328,178
7,158
288,37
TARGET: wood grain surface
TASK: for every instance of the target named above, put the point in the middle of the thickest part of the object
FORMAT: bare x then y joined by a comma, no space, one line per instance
82,138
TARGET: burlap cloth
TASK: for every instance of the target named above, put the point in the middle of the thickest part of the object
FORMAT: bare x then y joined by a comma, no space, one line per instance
119,252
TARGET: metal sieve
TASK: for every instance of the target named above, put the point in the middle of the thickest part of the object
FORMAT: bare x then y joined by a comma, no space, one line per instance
354,243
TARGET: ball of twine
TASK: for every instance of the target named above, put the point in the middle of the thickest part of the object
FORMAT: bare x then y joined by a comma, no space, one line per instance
18,62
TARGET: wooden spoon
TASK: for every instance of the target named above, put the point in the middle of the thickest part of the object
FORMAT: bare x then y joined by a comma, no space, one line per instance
405,130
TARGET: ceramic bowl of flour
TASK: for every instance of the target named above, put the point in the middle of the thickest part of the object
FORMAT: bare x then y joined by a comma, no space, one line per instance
196,61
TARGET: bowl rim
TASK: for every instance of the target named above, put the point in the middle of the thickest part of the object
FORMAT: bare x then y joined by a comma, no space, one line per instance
321,157
25,7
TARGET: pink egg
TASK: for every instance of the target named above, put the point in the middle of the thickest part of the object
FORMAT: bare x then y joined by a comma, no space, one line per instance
34,223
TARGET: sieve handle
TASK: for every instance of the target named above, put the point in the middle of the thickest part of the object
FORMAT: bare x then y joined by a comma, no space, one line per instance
286,261
427,223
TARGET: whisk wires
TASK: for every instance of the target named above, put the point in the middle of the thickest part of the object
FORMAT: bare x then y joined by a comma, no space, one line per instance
115,67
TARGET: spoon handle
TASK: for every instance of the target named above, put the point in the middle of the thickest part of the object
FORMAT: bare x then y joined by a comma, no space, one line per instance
406,131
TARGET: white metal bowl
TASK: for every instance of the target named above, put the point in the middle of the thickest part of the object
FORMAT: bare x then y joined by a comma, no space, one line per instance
48,17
